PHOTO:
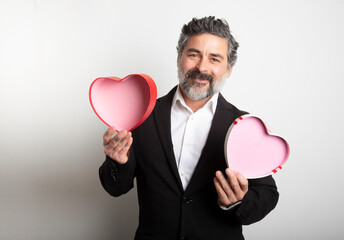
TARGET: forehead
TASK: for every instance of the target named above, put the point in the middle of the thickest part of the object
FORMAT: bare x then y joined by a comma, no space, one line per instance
207,43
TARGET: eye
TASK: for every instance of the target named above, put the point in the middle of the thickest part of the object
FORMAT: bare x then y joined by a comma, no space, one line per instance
193,55
215,60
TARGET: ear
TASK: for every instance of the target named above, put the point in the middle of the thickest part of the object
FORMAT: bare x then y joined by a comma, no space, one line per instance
178,60
229,71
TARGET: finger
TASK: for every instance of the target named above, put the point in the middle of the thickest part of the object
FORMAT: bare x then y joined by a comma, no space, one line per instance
128,141
222,197
225,197
107,135
219,189
112,146
121,152
122,142
225,185
243,182
125,149
233,182
122,138
238,183
116,138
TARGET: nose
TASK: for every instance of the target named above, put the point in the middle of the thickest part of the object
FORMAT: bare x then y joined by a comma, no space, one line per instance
203,65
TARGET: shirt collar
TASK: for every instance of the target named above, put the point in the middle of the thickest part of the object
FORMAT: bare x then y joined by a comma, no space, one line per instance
211,104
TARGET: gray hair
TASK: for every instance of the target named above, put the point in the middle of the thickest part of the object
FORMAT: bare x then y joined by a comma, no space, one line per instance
218,27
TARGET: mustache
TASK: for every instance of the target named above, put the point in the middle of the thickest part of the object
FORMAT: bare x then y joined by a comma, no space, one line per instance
194,73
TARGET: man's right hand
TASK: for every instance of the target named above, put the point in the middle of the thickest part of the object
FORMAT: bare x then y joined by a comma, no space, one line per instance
117,147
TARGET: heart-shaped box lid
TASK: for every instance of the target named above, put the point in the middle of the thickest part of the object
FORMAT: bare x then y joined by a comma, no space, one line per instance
123,103
251,148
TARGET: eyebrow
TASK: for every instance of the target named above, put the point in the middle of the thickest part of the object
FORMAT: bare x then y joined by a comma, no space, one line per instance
193,50
211,54
217,55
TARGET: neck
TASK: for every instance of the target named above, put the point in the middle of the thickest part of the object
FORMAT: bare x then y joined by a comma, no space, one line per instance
195,105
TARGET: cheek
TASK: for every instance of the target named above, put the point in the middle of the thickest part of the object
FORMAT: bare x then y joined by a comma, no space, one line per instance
186,65
219,72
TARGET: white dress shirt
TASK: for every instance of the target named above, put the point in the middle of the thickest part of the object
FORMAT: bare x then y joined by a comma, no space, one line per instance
189,132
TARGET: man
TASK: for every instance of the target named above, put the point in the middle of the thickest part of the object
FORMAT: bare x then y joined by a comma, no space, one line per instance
177,154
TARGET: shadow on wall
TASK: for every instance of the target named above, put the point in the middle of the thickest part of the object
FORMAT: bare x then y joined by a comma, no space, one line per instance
66,203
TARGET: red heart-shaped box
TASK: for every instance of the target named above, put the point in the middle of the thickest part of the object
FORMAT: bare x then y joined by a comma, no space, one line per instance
123,103
252,149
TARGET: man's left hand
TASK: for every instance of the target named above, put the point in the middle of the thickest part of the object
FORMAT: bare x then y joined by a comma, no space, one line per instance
232,189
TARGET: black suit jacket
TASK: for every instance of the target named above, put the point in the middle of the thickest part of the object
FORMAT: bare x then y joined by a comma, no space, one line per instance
167,211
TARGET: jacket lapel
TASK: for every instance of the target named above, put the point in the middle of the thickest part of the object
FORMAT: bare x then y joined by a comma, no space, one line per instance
162,116
224,116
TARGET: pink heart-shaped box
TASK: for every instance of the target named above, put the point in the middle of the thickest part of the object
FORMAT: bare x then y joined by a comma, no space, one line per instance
252,150
123,103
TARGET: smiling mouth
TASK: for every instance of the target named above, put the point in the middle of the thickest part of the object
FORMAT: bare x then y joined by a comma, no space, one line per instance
200,80
196,82
197,79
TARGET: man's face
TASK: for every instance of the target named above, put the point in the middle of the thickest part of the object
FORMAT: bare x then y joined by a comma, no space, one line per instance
203,66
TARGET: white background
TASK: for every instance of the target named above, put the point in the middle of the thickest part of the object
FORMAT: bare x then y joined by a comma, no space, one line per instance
289,72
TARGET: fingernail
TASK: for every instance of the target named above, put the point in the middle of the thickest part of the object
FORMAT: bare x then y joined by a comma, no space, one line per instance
116,139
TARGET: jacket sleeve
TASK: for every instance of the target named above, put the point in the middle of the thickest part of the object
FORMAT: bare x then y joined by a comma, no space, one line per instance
118,179
261,198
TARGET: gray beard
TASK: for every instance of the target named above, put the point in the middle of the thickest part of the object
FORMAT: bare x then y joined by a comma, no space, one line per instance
194,94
